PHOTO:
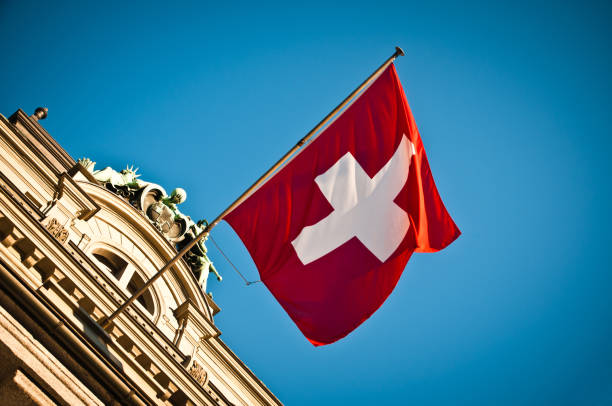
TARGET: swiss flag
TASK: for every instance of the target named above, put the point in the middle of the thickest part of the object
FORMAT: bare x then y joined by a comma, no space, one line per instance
332,231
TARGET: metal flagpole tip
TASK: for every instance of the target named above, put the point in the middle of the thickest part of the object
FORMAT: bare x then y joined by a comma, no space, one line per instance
399,51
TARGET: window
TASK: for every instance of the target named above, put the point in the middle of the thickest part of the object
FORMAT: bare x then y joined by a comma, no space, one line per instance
146,300
113,263
126,275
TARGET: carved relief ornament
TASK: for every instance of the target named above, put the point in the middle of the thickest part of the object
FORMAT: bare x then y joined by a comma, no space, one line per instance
57,230
198,373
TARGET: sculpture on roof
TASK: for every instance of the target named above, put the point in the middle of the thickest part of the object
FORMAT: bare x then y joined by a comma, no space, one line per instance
196,257
177,196
125,178
161,210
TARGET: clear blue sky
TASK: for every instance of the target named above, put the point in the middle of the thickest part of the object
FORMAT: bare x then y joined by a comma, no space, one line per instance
513,105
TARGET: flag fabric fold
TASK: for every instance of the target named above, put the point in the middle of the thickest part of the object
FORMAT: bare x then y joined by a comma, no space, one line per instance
332,230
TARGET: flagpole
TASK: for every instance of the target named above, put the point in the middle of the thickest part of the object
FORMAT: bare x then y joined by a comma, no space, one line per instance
105,322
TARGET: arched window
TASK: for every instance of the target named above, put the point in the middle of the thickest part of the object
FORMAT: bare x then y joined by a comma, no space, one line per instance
113,263
146,300
126,275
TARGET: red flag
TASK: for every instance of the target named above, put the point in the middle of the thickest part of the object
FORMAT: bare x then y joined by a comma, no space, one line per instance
332,231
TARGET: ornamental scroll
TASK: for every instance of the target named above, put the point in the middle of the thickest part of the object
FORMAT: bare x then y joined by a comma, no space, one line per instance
57,230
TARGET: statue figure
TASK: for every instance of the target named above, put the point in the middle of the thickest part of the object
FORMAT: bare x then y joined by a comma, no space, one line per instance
126,178
178,196
196,257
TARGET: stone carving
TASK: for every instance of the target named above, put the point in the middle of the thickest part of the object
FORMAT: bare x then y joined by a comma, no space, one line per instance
198,373
161,210
57,230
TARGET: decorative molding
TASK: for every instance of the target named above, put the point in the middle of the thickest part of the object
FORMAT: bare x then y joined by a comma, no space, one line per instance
54,155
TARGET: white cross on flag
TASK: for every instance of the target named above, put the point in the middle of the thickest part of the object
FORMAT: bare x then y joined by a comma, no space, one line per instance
332,231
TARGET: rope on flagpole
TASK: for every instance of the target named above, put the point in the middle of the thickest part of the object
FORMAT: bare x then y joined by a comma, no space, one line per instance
247,282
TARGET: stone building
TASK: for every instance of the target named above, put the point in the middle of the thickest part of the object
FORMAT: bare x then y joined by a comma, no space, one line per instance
74,244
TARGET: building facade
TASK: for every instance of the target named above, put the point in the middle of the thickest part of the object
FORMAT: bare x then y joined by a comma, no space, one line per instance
75,242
